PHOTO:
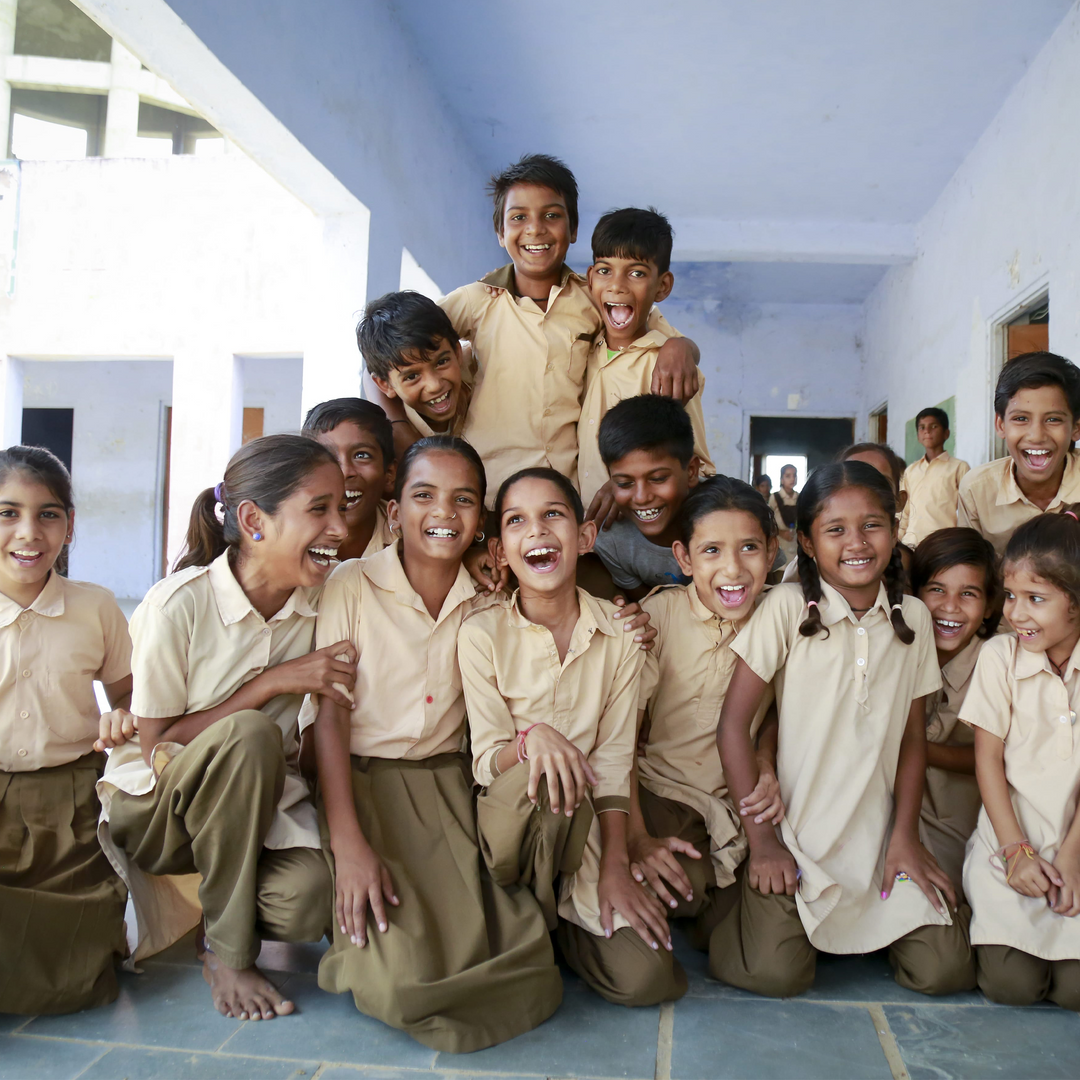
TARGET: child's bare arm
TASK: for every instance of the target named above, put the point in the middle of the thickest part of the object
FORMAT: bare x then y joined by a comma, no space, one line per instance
1028,873
905,853
771,867
676,372
764,804
951,758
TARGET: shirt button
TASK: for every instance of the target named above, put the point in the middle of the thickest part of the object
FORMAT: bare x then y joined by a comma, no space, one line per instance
24,714
861,631
22,753
547,412
548,368
860,661
429,699
1063,719
592,421
586,474
26,674
266,631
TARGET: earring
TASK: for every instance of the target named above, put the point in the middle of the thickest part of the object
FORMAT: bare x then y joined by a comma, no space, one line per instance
480,537
256,536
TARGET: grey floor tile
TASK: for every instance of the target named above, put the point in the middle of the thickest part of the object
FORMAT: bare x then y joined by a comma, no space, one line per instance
9,1022
763,1039
940,1042
330,1025
22,1057
587,1036
184,1065
357,1072
168,1005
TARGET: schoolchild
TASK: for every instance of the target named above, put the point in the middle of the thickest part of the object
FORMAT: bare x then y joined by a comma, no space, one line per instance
931,483
782,501
852,661
630,274
61,903
222,660
413,355
1037,407
457,961
647,446
360,437
686,837
954,573
1022,872
531,325
551,684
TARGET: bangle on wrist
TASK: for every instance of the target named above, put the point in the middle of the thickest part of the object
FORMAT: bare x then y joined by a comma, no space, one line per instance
522,752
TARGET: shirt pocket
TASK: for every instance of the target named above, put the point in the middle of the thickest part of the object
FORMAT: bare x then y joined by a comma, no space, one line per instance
68,702
579,358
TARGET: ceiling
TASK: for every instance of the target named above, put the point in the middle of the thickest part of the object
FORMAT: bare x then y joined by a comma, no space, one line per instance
794,144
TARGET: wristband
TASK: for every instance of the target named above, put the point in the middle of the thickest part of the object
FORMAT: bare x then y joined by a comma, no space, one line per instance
522,753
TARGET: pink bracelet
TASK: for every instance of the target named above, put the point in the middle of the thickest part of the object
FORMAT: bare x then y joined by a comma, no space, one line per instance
522,753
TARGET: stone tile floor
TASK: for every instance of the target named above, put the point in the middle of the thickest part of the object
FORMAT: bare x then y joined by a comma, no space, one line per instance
855,1023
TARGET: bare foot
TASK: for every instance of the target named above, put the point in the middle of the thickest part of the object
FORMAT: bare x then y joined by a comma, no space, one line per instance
246,994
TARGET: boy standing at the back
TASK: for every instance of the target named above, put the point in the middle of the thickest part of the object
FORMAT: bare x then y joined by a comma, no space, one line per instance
932,482
1037,402
629,275
531,325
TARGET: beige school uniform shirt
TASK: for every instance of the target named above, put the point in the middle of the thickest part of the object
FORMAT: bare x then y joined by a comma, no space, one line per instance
843,702
513,678
1016,696
951,801
529,371
50,654
932,488
381,535
407,696
990,500
196,640
609,380
683,685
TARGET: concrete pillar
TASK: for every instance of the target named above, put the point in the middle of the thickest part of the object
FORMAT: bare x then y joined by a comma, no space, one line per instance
384,255
11,401
338,290
7,47
207,424
122,111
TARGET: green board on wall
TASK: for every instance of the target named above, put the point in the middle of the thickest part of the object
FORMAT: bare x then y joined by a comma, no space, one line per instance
913,448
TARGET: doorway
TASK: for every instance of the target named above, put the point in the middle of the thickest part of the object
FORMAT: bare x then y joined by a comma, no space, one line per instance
816,439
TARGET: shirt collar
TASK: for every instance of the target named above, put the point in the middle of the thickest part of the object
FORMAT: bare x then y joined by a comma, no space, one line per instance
958,670
503,278
835,608
48,602
1031,663
385,571
652,339
592,615
234,605
1010,492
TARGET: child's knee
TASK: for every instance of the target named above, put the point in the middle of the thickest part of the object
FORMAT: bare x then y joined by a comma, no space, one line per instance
1065,984
641,975
252,731
1010,977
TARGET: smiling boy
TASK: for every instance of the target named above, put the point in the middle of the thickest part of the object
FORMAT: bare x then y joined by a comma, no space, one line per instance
932,482
630,274
531,324
413,355
1037,402
647,445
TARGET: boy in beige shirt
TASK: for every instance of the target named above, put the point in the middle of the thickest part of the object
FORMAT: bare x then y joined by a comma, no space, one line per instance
932,482
1037,402
629,275
531,325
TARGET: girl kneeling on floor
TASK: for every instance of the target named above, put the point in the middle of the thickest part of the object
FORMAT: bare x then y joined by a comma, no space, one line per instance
222,660
551,683
458,962
61,903
1022,871
852,660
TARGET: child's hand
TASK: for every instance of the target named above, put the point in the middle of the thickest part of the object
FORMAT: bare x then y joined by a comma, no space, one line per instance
603,508
772,870
764,802
361,878
637,619
114,729
1065,898
907,856
553,755
654,860
676,373
484,571
317,672
1031,875
620,892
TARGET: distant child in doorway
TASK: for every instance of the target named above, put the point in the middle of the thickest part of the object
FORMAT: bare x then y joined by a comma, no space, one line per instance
782,504
1037,406
763,486
647,446
360,437
954,572
1022,871
61,902
931,483
851,658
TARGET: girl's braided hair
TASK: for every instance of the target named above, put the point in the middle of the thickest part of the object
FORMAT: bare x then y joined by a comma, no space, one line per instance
823,484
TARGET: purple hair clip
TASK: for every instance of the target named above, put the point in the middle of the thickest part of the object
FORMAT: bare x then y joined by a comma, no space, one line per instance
218,496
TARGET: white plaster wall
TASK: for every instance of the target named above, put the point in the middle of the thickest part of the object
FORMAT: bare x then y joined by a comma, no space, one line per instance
755,357
274,384
115,462
1007,223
